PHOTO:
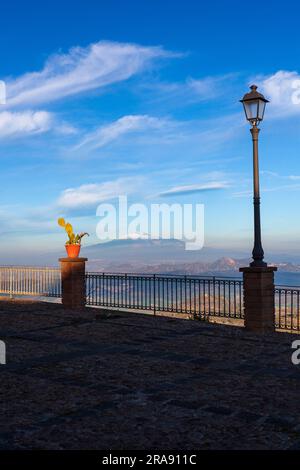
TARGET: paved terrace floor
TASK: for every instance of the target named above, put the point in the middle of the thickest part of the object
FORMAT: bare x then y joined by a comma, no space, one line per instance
92,380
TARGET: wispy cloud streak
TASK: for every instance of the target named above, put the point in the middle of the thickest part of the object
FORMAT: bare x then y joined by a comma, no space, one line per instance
81,69
194,188
111,132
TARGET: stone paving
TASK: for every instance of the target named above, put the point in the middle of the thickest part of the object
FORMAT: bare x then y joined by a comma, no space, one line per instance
111,380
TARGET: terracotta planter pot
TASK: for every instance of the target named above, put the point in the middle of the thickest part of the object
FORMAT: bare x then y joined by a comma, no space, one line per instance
73,250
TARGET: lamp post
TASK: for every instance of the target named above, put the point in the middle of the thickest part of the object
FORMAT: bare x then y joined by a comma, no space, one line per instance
254,105
258,278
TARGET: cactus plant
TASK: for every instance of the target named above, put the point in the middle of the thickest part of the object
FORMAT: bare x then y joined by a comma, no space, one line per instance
73,239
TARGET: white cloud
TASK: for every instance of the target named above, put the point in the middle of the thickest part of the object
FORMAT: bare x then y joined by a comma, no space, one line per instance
281,89
88,195
135,236
208,88
283,188
16,218
271,174
282,183
24,123
278,176
2,92
81,69
195,188
189,91
127,124
294,177
65,128
149,131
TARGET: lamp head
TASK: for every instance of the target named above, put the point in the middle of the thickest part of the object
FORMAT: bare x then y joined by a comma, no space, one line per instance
254,105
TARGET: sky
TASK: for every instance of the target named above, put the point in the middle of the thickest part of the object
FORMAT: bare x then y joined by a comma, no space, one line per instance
141,98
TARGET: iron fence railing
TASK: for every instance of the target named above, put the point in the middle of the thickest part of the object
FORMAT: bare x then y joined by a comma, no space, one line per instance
287,308
197,296
200,297
31,281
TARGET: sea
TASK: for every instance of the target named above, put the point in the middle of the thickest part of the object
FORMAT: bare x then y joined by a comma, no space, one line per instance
281,278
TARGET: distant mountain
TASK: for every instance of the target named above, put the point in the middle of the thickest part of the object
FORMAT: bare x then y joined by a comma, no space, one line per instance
157,256
165,257
151,252
288,267
226,264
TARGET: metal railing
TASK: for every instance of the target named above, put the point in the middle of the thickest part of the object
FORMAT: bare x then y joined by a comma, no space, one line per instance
200,297
197,296
287,308
31,281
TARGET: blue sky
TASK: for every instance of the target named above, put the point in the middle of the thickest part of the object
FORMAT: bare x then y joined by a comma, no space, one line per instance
141,98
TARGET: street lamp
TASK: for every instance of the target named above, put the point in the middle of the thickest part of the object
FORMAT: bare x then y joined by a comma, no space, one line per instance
254,105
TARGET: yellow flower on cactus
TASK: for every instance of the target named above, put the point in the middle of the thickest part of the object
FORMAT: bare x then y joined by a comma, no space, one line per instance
61,222
69,229
72,238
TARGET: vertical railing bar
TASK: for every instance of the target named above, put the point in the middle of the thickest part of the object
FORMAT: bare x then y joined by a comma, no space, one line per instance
292,309
154,294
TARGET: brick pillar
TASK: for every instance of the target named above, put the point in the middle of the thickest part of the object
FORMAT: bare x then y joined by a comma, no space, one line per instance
73,282
259,298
